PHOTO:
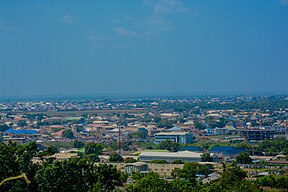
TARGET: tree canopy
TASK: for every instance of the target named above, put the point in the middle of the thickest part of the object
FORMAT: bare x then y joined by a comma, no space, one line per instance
22,123
169,145
68,134
80,174
206,157
4,127
116,158
243,158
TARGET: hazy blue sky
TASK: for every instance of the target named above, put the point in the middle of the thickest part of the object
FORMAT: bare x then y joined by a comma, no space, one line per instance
142,46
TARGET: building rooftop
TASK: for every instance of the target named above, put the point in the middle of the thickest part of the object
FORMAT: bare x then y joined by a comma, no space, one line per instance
173,133
175,129
180,154
228,150
22,132
191,148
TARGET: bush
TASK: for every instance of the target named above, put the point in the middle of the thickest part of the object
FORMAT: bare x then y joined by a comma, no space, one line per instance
159,161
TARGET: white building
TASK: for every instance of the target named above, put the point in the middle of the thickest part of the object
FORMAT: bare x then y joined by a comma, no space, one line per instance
177,137
185,156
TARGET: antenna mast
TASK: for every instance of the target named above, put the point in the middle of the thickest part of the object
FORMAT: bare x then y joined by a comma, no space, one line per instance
119,138
261,120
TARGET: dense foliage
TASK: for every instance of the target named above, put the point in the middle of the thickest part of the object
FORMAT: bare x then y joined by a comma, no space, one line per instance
82,174
115,158
243,158
4,127
169,145
206,157
232,179
273,147
68,134
79,174
280,182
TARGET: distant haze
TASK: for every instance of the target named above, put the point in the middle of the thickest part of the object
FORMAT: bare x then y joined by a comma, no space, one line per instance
143,47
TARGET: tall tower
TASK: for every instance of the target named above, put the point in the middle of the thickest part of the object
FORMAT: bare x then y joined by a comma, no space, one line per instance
286,130
119,138
261,120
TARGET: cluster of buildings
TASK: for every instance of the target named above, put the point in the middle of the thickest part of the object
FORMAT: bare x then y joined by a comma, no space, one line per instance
180,120
149,121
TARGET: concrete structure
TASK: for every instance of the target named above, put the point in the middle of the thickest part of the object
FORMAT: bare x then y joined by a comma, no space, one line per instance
220,131
139,167
185,156
164,170
177,137
258,134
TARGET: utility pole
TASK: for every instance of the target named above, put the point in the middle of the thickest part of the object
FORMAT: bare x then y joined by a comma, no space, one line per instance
119,138
261,120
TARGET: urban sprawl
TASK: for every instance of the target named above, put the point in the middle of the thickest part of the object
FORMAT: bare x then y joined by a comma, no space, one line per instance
161,135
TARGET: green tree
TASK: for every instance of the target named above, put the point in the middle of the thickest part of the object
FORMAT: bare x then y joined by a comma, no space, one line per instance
232,174
243,158
4,127
115,158
130,160
134,135
205,157
68,134
190,170
91,157
199,125
78,144
16,159
178,161
182,186
273,181
151,182
267,181
165,123
22,123
51,150
244,145
273,147
159,161
143,134
78,175
93,148
169,145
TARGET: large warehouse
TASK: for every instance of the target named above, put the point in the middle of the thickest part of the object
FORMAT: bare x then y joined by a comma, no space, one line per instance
177,137
185,156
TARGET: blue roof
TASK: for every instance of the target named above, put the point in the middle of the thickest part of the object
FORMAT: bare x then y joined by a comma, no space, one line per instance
191,148
21,132
227,150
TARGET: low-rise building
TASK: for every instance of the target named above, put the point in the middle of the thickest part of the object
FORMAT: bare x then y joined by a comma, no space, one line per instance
185,156
177,137
21,136
220,131
226,152
258,134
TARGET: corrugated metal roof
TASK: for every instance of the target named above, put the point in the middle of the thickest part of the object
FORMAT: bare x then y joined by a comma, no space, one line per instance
185,154
22,132
228,150
173,133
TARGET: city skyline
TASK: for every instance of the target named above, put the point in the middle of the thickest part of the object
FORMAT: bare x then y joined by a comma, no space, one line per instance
148,47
